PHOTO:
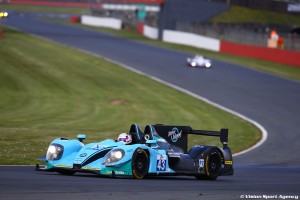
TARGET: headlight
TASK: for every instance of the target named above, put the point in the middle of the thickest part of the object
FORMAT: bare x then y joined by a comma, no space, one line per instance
114,156
193,64
207,64
3,14
54,152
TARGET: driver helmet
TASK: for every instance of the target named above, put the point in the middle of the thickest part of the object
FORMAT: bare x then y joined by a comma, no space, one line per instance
126,138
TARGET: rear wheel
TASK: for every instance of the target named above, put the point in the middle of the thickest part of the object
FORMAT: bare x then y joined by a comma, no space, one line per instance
213,165
140,164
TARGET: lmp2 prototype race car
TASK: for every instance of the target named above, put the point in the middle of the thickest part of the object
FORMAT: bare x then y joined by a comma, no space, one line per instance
198,61
159,150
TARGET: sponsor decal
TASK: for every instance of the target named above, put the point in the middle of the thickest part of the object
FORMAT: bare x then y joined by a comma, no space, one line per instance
65,166
129,150
174,134
228,162
116,172
161,161
98,147
90,168
83,155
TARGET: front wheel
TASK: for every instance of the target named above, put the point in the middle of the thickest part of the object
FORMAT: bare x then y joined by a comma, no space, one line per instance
213,165
140,164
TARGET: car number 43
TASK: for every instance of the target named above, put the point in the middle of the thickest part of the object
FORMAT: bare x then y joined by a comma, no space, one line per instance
161,163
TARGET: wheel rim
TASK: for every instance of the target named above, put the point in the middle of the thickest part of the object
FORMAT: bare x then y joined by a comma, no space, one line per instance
140,165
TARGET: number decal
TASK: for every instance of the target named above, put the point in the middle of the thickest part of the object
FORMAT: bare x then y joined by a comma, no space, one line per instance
201,166
161,161
201,163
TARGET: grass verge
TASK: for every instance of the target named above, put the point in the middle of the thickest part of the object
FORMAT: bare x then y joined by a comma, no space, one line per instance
50,91
238,14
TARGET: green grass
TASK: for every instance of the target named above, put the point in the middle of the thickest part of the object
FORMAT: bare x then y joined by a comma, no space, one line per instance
50,91
237,14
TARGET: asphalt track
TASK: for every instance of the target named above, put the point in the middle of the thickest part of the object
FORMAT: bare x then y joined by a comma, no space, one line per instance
26,184
270,169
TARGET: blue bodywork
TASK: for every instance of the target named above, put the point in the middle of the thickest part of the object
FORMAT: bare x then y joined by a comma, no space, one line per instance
150,154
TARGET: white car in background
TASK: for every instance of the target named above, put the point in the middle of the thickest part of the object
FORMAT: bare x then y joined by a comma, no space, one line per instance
198,61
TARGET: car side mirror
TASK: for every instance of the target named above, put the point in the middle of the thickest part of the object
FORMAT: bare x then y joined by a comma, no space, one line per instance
81,137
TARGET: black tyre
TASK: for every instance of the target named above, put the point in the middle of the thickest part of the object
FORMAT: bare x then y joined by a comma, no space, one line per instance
213,165
140,164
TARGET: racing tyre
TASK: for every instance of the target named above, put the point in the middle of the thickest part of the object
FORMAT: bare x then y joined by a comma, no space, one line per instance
213,165
140,164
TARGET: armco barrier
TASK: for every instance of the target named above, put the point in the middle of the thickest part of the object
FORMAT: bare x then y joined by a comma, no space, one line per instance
270,54
191,39
101,22
151,32
147,31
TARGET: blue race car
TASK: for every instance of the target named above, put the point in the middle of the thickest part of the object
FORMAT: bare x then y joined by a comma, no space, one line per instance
159,150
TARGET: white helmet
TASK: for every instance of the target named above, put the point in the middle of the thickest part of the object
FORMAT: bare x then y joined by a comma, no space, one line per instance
124,137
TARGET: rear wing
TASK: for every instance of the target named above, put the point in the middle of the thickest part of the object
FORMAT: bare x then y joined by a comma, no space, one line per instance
178,135
223,134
